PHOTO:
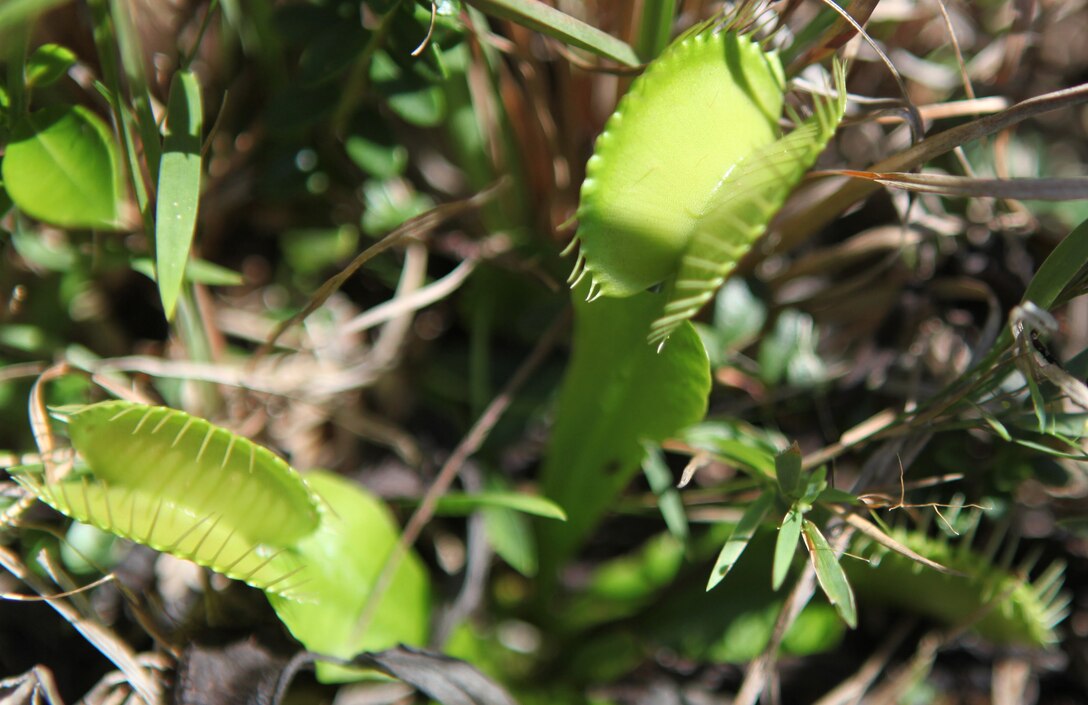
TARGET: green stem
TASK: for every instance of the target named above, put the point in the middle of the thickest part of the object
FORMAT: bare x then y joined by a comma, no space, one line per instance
654,28
105,43
132,61
18,40
359,79
187,60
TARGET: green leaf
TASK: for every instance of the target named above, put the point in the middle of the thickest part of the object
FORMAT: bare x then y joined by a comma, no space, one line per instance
617,393
738,540
390,203
815,484
62,167
180,458
47,64
830,575
668,498
455,504
411,97
547,20
788,354
179,187
837,496
788,535
787,467
750,449
198,271
740,205
344,558
511,535
1060,269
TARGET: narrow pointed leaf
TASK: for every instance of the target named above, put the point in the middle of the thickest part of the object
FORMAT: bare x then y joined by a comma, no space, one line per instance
788,535
1060,269
787,467
179,187
738,540
547,20
660,478
830,575
455,504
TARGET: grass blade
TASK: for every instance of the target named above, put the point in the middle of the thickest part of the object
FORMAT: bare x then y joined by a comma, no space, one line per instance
547,20
1068,189
1060,269
179,187
654,27
457,504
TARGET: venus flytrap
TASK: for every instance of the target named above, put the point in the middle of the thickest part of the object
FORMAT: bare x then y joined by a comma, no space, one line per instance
184,486
684,178
690,169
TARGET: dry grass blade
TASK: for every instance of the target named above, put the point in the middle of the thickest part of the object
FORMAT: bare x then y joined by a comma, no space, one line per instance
1071,189
105,641
873,531
413,301
798,223
415,227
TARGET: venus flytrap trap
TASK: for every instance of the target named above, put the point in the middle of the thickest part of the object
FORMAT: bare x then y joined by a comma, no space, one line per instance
184,486
997,602
690,169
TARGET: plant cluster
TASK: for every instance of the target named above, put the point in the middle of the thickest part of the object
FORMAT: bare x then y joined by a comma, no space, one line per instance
282,290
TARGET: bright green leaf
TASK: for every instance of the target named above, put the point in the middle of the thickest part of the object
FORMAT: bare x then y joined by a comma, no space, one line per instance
830,575
179,186
815,483
1059,269
343,559
786,545
837,496
47,64
62,167
198,271
738,314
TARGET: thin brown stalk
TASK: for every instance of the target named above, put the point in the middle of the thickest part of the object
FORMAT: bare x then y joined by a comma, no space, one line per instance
453,465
